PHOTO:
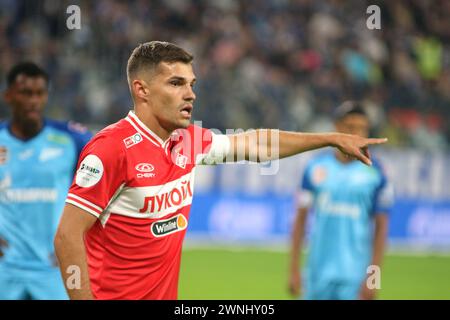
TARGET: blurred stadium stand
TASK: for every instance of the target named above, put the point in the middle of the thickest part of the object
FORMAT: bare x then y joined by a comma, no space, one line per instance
270,63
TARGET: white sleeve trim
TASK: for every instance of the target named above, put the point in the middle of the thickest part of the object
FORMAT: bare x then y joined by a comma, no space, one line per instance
84,204
84,201
305,198
77,204
220,147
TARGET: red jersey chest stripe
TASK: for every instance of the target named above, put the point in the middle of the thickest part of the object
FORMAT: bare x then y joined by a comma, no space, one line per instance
154,201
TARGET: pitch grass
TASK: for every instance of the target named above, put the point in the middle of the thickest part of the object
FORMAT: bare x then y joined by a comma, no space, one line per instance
224,273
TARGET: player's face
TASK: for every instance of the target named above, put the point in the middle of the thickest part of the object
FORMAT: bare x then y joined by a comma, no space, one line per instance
171,94
27,97
356,124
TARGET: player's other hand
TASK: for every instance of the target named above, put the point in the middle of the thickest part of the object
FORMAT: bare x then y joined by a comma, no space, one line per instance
3,244
356,147
294,283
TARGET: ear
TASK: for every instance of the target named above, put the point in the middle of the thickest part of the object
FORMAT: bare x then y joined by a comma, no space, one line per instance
140,89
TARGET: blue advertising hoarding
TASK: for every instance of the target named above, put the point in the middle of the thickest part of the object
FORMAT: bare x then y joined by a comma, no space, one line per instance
256,202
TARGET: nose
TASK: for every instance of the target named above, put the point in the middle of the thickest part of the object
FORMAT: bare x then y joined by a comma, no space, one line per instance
189,94
34,99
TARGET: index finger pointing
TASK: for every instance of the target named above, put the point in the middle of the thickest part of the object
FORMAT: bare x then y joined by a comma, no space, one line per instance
376,140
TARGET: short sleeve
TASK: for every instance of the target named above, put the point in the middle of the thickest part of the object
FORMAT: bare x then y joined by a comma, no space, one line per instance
101,171
216,151
305,191
384,199
384,195
80,134
203,146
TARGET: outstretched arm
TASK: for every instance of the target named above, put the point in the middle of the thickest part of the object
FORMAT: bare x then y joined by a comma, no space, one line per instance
270,144
71,252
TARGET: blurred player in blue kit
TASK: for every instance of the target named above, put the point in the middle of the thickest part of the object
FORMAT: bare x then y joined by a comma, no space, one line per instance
38,157
350,203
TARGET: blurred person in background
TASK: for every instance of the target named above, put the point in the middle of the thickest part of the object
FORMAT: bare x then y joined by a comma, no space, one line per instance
37,161
351,203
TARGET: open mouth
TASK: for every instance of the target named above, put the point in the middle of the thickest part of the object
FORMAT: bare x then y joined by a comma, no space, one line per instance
186,110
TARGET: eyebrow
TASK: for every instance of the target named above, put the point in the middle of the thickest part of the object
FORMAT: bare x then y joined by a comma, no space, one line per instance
181,78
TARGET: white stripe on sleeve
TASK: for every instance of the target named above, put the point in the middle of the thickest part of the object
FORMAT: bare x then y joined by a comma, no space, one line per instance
305,198
220,146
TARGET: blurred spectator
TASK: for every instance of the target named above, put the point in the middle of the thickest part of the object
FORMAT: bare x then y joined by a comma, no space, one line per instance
282,63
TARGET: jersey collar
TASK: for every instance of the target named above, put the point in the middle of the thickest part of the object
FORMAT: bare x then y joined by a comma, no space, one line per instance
8,125
145,131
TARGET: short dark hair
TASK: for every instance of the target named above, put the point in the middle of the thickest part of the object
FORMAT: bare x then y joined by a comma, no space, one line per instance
150,54
347,108
29,69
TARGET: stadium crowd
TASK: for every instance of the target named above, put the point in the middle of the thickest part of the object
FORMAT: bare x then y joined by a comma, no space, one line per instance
270,63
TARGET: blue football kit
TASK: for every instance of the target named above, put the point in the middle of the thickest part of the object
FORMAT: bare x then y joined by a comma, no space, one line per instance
35,176
344,198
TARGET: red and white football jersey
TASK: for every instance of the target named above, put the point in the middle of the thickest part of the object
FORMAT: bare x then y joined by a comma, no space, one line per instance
141,189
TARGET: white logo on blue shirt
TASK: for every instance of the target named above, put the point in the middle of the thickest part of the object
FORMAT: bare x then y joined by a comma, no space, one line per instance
24,155
50,153
335,208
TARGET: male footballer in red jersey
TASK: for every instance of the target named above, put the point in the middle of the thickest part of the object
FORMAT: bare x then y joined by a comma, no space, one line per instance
127,210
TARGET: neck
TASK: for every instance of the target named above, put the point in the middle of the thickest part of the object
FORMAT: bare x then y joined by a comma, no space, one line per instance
342,157
148,118
24,130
